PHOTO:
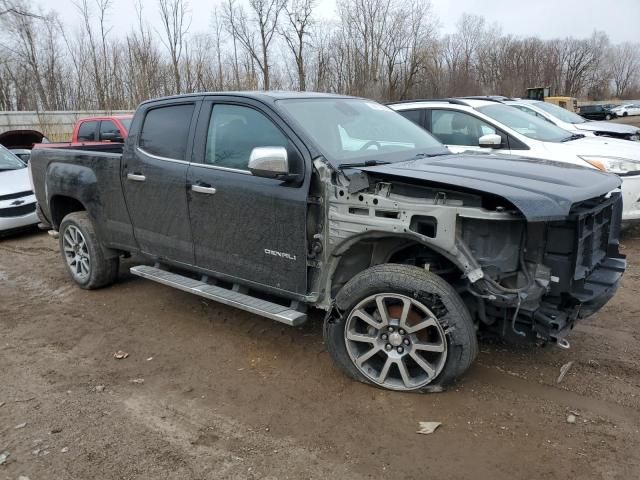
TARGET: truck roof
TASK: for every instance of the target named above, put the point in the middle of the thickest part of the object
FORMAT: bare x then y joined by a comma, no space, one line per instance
261,95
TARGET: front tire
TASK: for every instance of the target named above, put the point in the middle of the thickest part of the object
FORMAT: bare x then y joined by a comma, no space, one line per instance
607,117
84,257
401,328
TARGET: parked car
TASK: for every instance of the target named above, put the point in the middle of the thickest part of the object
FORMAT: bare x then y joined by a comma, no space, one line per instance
597,112
276,202
627,109
22,153
491,126
17,201
575,123
22,139
20,142
96,131
102,129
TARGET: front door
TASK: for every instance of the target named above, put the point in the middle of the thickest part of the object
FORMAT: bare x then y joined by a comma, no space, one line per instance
461,131
154,175
245,227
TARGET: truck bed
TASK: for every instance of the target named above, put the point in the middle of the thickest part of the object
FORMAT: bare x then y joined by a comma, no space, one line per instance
87,174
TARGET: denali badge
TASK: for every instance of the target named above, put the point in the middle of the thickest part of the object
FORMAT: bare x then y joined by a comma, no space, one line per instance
275,253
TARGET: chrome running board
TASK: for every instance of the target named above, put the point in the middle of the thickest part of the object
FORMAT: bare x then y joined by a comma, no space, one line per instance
232,298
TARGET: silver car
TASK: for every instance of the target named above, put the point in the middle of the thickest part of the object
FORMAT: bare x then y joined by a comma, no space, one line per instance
17,201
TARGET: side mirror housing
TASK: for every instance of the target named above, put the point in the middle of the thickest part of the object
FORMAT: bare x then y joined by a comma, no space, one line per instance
269,162
490,141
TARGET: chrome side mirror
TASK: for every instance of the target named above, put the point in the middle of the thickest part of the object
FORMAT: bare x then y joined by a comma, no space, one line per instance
269,162
490,141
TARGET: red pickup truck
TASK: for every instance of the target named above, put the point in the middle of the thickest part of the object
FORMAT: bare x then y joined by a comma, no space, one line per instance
102,129
96,131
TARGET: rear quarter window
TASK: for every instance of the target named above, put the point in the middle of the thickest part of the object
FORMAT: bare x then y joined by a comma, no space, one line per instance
414,115
165,131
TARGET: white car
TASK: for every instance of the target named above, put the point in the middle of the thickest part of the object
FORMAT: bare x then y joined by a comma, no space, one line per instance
626,110
573,122
17,201
489,126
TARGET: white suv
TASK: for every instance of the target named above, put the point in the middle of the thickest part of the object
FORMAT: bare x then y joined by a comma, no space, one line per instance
573,122
490,126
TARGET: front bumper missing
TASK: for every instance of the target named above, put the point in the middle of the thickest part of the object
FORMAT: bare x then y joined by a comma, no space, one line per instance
553,324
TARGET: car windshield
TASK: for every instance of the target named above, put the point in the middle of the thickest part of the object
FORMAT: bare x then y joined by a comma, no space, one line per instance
126,122
351,130
525,124
560,113
8,161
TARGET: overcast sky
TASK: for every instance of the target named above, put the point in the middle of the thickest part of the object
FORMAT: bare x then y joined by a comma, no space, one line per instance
620,19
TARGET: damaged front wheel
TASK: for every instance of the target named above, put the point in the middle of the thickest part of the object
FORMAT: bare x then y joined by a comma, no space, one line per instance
402,328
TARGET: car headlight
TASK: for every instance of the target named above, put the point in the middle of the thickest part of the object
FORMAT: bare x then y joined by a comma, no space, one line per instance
620,166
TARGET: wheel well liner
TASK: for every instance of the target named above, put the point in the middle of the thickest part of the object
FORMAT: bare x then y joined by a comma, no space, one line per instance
61,206
372,249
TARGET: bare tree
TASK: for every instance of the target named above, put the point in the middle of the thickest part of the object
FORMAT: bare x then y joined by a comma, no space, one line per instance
384,49
255,31
218,28
295,33
9,7
625,67
176,21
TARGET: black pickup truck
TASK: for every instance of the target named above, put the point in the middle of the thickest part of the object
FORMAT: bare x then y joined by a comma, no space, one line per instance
281,202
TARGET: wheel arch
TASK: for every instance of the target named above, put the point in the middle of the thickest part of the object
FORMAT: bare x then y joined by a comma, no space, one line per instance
368,249
61,206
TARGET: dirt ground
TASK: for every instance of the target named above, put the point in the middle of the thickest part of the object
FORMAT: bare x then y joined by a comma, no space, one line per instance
212,392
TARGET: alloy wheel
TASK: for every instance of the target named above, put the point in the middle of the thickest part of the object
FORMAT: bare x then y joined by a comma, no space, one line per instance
395,341
76,253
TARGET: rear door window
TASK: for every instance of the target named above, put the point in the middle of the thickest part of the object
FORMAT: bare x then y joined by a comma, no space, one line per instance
109,131
87,132
165,131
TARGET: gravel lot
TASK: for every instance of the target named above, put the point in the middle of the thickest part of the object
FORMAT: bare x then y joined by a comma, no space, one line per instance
212,392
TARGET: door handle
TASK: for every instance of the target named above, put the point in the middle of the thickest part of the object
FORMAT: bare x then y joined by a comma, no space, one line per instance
203,189
136,177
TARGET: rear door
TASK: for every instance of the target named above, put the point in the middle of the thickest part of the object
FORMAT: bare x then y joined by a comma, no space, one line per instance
154,175
245,227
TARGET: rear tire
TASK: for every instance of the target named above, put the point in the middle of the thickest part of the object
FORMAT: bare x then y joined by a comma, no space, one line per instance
426,341
87,264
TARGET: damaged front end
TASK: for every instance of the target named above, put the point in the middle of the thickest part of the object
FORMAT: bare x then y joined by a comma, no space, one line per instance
567,270
528,262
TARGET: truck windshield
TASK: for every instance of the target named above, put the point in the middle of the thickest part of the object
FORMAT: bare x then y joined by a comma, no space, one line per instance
560,113
349,130
525,124
8,161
